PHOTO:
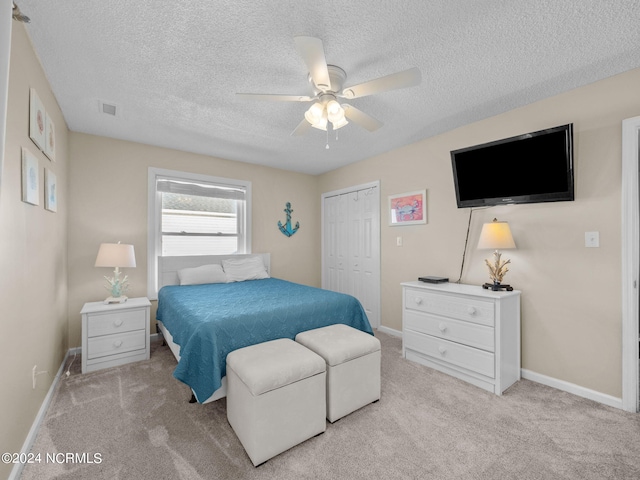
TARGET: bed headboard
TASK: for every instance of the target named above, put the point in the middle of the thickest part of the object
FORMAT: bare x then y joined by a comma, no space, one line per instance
168,266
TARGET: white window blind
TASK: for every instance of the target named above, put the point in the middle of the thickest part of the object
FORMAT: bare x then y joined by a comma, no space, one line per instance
201,219
192,214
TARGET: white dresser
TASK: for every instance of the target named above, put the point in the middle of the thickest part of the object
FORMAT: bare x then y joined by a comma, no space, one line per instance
114,334
463,330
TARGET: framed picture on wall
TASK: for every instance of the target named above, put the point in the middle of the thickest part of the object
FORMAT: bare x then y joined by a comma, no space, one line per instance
408,208
30,179
50,190
36,120
50,138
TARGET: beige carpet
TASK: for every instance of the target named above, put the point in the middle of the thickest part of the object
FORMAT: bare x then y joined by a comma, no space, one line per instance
426,426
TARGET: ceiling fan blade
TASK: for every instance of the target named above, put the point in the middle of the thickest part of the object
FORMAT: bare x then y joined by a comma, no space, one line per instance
312,52
274,97
359,117
302,128
406,78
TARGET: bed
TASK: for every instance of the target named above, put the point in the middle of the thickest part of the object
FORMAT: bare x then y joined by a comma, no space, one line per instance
203,322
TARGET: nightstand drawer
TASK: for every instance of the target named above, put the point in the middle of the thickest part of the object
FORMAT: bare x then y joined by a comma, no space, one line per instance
462,308
113,344
469,358
116,322
467,333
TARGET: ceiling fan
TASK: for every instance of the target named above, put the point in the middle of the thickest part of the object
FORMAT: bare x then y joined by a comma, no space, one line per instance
328,86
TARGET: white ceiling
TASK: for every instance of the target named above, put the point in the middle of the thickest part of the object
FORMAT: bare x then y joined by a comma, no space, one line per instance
172,68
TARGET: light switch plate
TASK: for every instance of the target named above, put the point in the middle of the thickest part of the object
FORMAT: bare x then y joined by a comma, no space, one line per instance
591,239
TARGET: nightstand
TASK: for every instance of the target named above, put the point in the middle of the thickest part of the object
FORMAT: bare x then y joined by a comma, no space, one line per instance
114,334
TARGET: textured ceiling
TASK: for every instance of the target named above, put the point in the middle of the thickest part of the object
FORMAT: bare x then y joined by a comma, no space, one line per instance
172,68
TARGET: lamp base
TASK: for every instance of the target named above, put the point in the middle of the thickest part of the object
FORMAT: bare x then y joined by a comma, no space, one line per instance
497,287
120,299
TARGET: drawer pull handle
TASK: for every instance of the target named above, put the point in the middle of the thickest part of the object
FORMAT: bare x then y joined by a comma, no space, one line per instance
117,343
471,311
442,350
418,300
117,322
442,327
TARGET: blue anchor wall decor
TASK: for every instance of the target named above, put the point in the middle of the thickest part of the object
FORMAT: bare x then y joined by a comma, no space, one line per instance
286,229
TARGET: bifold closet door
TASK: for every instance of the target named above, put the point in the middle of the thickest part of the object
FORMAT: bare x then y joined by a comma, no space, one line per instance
352,247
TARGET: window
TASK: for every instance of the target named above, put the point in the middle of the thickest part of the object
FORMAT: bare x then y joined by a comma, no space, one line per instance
191,214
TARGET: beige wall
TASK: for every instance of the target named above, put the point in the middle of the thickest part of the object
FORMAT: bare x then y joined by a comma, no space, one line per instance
571,303
108,203
571,308
33,257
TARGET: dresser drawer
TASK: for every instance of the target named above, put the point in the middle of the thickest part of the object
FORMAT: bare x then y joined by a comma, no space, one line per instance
113,344
116,322
467,333
469,309
469,358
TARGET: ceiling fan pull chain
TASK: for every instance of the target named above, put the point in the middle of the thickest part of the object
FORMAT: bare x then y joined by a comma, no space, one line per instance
327,147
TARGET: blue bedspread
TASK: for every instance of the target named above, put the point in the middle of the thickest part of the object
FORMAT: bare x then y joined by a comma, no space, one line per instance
209,321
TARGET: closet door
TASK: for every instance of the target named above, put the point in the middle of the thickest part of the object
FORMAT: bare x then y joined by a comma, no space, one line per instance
351,246
335,243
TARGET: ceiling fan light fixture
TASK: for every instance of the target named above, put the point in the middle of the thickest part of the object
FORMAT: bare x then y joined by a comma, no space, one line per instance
314,114
333,108
337,115
339,123
321,123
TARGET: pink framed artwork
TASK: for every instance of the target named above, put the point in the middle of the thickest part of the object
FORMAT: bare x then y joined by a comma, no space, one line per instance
408,208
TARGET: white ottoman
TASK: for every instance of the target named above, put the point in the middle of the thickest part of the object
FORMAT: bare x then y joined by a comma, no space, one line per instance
353,366
275,397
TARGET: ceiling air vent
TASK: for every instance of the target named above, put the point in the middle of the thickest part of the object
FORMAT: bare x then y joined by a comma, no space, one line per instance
109,109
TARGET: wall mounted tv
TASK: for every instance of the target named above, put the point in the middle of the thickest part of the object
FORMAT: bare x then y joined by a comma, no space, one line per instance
530,168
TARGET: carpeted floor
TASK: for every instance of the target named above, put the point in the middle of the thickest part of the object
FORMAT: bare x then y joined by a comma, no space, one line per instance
426,426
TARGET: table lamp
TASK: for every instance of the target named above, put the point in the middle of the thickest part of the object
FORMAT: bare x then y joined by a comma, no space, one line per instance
496,235
116,255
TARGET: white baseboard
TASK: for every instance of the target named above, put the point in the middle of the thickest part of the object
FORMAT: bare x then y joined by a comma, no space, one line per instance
572,388
389,331
16,472
550,381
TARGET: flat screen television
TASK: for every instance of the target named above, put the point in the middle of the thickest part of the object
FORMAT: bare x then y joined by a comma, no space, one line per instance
530,168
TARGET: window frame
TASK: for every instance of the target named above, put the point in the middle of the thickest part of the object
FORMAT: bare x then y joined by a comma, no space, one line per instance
154,216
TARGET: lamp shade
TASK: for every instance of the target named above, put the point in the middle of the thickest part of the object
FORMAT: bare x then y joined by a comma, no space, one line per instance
496,236
116,255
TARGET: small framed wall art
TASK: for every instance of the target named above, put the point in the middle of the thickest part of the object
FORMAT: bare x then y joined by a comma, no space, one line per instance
30,180
50,190
408,208
36,120
50,138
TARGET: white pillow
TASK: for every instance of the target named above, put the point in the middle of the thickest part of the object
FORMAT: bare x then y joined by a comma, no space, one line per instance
240,269
205,274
